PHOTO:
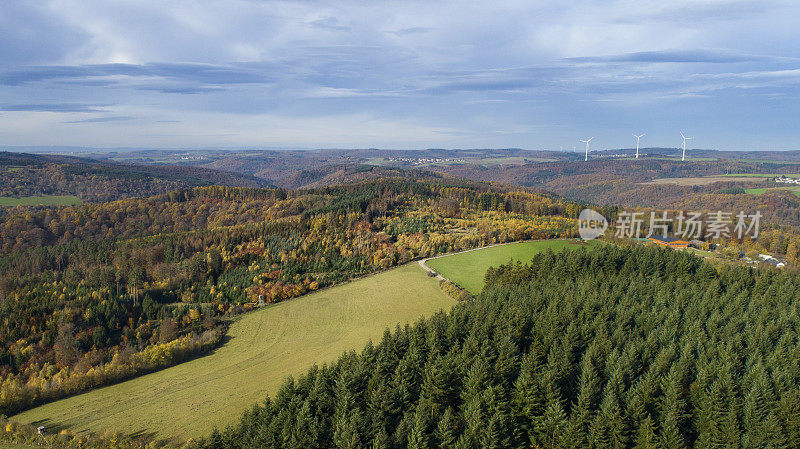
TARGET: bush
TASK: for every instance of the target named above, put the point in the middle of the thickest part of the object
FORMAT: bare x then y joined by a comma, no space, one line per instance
454,291
16,395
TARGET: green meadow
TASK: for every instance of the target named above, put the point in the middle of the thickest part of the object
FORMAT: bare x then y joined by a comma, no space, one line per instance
793,189
467,269
265,347
760,175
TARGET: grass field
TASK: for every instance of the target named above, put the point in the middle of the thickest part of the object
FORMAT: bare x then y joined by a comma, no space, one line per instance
701,253
702,181
467,269
762,175
508,160
793,189
265,347
765,161
668,158
48,200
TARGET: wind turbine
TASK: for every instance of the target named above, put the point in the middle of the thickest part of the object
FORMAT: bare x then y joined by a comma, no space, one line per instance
587,147
637,144
683,158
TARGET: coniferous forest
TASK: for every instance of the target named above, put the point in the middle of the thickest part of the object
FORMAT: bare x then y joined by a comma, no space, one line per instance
609,348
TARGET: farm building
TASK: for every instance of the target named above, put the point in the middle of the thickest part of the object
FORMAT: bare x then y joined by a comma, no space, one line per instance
668,241
771,260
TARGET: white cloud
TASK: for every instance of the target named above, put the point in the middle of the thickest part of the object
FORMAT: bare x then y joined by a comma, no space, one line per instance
471,69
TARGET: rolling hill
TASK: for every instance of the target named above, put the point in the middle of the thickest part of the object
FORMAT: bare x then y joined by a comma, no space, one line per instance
264,348
31,175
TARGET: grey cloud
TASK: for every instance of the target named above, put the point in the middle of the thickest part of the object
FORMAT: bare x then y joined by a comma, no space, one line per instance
480,86
722,10
443,63
30,34
677,56
187,90
53,107
201,73
412,30
329,24
113,118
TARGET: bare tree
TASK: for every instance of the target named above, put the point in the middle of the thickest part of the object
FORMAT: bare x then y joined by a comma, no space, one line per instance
167,331
65,346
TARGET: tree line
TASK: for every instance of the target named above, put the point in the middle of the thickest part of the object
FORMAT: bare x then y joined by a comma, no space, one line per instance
91,180
603,348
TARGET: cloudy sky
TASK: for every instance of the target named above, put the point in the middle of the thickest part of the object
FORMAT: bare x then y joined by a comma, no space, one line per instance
399,74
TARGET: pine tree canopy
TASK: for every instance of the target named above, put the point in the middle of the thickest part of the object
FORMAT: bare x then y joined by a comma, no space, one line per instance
608,348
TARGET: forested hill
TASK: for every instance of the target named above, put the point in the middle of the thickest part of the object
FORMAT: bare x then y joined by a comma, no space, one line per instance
95,293
610,348
24,175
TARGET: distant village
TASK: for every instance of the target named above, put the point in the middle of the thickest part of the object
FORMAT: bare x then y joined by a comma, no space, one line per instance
785,180
424,160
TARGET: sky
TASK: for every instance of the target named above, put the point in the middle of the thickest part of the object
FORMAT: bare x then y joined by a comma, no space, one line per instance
400,74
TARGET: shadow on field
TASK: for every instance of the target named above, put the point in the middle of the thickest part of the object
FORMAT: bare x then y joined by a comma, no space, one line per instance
143,434
226,338
50,427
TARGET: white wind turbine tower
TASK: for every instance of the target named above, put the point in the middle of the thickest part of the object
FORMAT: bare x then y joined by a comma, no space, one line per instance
587,147
683,158
637,144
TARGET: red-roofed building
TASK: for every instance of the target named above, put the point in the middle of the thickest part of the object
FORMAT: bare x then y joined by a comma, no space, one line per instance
668,241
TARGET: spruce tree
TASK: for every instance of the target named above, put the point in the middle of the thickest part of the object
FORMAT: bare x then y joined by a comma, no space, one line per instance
419,436
447,430
529,401
380,440
646,434
474,420
789,412
711,418
583,412
673,411
549,428
609,428
758,407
